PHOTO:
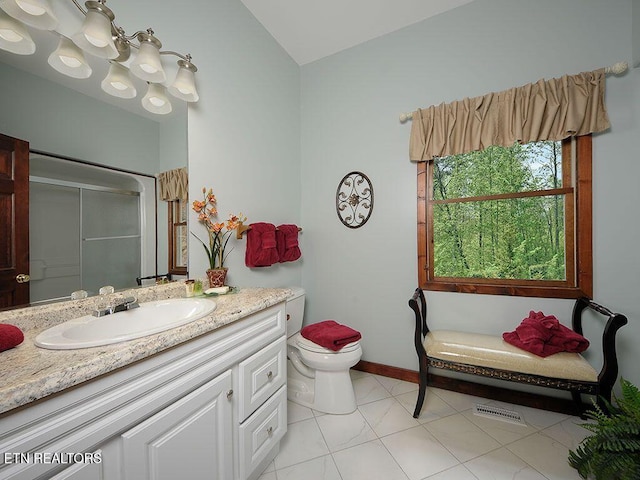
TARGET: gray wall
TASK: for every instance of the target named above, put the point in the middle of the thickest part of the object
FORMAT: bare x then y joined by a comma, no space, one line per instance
350,107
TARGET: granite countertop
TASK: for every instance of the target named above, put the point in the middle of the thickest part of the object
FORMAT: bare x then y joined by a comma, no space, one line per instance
29,373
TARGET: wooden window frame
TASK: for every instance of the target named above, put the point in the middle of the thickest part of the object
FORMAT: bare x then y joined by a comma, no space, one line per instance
578,238
173,225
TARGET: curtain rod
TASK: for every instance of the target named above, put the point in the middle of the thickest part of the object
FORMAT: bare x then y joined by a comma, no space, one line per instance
615,69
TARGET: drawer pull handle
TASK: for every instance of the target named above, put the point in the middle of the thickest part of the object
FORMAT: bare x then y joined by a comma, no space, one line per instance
270,431
269,374
229,394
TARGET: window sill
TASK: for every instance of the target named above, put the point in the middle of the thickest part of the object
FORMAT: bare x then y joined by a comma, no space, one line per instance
510,290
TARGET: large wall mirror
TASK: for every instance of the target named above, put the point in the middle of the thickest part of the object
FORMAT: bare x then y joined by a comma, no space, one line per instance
63,117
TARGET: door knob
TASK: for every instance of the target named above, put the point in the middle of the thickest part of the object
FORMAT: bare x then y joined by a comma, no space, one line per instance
22,278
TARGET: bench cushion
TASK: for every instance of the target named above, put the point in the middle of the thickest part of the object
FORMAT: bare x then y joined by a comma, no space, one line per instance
493,352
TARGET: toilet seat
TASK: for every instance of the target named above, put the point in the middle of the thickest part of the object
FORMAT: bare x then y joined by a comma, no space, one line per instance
310,346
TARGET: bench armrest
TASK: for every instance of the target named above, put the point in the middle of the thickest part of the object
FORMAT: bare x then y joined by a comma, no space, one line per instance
609,372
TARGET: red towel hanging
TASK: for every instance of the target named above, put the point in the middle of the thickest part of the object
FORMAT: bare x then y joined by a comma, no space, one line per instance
261,245
287,243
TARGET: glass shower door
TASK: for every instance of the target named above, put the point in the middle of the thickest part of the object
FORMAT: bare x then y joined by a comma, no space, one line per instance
110,248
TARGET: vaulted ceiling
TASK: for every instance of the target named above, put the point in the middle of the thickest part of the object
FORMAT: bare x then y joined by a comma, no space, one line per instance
310,29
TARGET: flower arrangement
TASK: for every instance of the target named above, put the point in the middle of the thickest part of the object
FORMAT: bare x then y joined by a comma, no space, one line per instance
219,232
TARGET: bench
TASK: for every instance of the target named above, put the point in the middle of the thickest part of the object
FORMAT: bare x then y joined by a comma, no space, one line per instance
490,356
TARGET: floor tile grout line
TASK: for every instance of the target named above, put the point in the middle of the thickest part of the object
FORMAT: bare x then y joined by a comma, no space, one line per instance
379,438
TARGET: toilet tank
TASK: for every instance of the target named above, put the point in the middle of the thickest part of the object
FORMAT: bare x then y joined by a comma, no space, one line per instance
295,311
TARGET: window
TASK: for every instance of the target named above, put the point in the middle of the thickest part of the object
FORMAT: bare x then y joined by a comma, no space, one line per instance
177,237
508,220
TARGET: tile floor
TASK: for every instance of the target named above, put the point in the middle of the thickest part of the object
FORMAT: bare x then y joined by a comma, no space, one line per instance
382,441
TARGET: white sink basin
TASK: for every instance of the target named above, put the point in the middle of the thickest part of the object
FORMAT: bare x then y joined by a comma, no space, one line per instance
149,318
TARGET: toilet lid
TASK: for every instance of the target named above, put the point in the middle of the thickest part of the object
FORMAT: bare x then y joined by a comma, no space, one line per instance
308,345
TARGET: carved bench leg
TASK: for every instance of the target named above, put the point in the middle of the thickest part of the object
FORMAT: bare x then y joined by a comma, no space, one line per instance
421,394
577,400
423,386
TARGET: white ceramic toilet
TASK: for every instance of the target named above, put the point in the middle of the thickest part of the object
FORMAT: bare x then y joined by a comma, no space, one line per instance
317,377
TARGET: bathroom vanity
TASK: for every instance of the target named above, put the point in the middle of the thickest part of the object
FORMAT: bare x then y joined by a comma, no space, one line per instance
204,400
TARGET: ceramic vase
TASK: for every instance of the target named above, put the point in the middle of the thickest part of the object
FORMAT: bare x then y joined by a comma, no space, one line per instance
217,277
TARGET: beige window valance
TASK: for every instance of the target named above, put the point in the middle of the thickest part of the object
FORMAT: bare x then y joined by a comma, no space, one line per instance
174,184
545,110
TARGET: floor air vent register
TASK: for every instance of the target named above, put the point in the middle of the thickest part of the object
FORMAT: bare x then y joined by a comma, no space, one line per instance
497,413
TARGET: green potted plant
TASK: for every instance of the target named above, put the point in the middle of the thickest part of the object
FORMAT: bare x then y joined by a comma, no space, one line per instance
219,235
613,451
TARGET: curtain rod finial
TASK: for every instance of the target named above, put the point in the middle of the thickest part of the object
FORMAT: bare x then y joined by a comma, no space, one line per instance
617,68
405,116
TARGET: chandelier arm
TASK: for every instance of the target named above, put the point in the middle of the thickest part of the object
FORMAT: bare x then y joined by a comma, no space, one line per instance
128,38
77,4
186,57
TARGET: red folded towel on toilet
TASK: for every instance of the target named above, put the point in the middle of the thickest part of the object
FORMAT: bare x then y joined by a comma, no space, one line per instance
287,243
330,334
261,245
10,336
544,335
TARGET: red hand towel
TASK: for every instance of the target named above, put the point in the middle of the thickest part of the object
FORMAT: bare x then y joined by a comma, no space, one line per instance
10,336
261,245
287,240
544,335
566,340
330,334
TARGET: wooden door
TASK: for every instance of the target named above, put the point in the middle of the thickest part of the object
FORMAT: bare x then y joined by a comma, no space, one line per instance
14,222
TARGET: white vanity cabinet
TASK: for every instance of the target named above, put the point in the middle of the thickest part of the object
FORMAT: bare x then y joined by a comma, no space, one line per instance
211,408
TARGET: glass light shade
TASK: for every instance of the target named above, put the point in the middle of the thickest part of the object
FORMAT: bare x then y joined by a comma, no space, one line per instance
147,65
156,101
14,36
184,86
35,13
118,82
69,60
95,35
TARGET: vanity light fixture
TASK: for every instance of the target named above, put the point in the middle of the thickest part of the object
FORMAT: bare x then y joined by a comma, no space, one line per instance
14,36
156,101
184,86
35,13
69,60
95,36
147,65
118,82
101,37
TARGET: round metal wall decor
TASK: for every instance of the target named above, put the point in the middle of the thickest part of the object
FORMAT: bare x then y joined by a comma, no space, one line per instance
354,199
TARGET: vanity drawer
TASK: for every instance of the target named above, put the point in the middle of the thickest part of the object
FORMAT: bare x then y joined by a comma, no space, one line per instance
262,432
260,375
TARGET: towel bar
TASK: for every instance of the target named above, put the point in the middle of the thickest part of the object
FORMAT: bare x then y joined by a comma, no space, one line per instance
243,228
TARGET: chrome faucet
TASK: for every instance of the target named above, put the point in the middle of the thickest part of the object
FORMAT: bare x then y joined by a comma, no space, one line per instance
118,305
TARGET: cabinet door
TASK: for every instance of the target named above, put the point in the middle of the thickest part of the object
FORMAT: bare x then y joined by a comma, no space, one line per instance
192,438
82,471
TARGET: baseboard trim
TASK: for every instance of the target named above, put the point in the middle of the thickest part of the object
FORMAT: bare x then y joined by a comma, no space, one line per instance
526,399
